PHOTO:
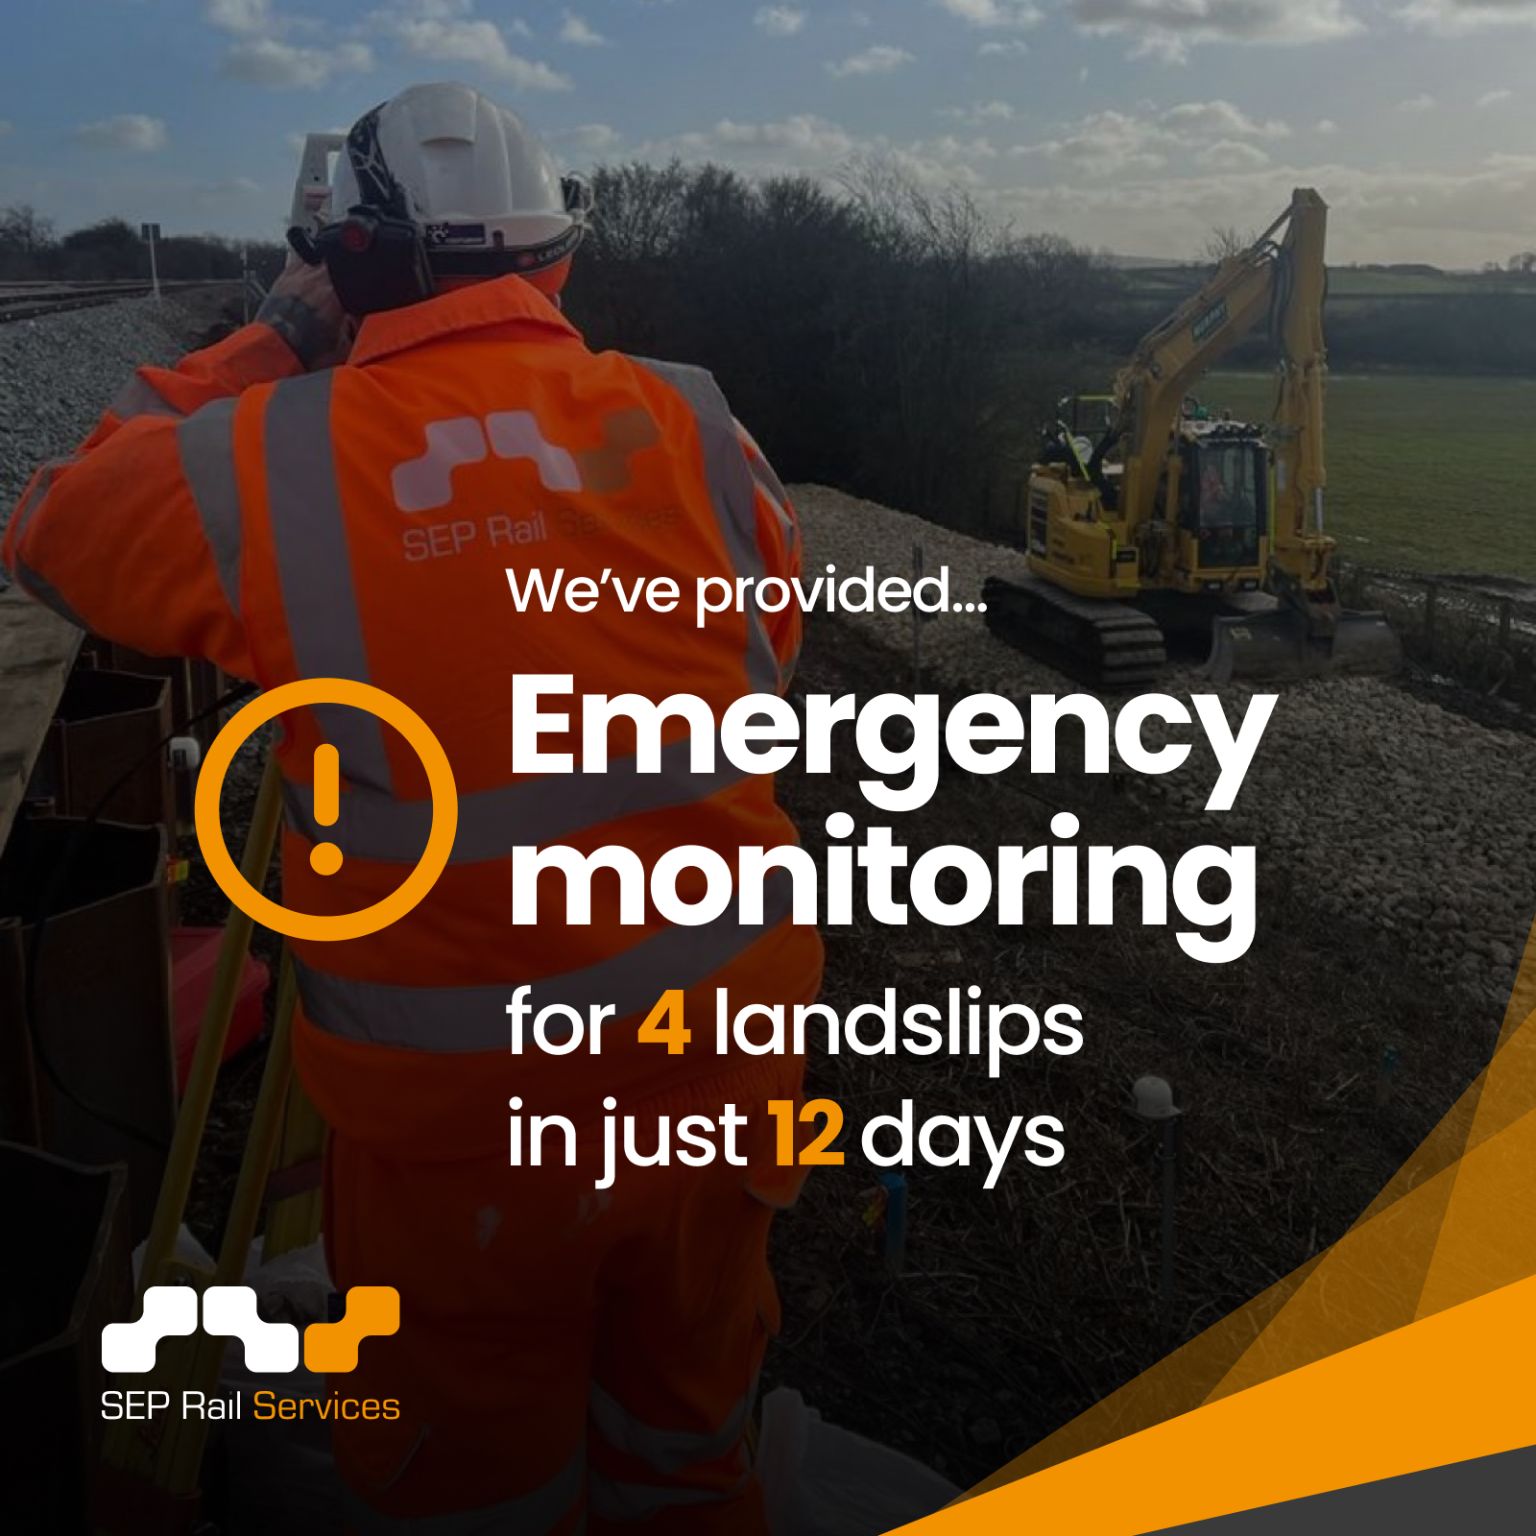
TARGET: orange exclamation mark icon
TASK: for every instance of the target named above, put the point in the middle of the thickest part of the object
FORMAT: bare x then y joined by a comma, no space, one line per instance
325,858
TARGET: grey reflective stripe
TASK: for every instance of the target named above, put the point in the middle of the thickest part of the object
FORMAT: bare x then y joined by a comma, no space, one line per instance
296,323
667,1450
314,565
780,504
528,1515
451,1019
787,669
46,593
33,499
541,810
138,397
206,442
730,486
771,485
622,1502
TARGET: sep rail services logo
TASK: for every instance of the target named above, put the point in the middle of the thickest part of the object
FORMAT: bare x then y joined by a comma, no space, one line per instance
229,1311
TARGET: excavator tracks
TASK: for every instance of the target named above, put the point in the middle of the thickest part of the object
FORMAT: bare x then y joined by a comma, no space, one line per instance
1107,645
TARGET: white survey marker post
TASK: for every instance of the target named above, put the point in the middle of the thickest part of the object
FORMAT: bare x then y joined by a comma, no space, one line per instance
150,233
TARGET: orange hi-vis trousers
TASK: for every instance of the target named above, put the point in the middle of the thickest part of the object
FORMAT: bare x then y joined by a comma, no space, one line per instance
569,1359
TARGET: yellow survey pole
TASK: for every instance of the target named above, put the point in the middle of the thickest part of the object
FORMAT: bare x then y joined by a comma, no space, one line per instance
293,1220
192,1119
131,1448
181,1451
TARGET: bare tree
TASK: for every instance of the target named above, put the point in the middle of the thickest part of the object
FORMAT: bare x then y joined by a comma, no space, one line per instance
24,231
1225,240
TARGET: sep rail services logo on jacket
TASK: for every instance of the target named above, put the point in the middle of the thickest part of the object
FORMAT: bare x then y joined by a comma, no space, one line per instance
424,483
229,1311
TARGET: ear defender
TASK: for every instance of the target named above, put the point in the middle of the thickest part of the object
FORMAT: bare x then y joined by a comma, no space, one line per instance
376,256
376,261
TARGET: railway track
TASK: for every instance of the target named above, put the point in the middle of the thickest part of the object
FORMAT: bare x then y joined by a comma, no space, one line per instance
29,300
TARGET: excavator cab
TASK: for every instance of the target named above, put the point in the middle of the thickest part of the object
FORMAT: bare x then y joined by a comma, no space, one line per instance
1224,497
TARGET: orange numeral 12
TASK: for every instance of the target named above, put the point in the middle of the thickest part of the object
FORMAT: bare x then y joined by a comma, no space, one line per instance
816,1155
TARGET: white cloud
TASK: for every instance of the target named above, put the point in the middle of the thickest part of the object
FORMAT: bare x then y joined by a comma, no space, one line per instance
980,112
1453,216
1167,29
1417,105
129,130
286,66
957,151
1137,183
1104,144
1325,126
588,138
779,20
1456,18
1232,155
881,59
244,16
1494,98
1110,143
994,13
1220,117
1013,48
465,39
805,134
577,31
813,146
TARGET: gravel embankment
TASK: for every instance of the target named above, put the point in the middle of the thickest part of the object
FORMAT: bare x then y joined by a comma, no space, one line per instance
58,373
1378,805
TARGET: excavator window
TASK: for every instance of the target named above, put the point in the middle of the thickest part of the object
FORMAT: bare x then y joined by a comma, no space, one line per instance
1225,486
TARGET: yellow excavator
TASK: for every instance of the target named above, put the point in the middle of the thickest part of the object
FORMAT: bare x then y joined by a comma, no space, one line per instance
1148,516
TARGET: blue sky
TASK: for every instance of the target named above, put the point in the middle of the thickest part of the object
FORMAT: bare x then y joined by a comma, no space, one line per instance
1130,125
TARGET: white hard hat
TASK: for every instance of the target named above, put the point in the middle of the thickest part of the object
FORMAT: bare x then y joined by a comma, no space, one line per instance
484,191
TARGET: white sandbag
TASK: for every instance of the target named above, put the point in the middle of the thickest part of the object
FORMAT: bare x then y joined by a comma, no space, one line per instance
819,1480
186,1251
295,1287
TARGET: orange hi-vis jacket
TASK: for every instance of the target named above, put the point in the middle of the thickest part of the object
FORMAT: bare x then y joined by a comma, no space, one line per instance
360,523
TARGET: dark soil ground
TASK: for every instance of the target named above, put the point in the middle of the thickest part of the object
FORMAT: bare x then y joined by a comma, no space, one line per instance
1307,1071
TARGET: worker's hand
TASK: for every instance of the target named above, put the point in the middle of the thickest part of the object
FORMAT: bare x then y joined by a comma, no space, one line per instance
303,309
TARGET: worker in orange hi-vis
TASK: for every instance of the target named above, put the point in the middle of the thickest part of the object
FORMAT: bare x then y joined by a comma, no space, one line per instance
568,1357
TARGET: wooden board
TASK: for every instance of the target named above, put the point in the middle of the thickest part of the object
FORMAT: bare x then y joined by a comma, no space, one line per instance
37,649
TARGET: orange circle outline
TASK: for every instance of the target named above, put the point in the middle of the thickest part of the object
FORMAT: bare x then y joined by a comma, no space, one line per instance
315,925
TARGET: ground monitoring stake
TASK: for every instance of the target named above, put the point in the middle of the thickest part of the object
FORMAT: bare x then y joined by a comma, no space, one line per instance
983,733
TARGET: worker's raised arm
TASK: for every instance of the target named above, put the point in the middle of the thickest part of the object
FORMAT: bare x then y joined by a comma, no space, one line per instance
137,536
295,328
778,540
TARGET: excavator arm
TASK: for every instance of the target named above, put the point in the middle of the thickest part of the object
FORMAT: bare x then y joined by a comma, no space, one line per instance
1279,280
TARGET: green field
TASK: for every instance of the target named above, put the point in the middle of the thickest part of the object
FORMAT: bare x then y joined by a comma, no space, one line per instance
1436,474
1346,282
